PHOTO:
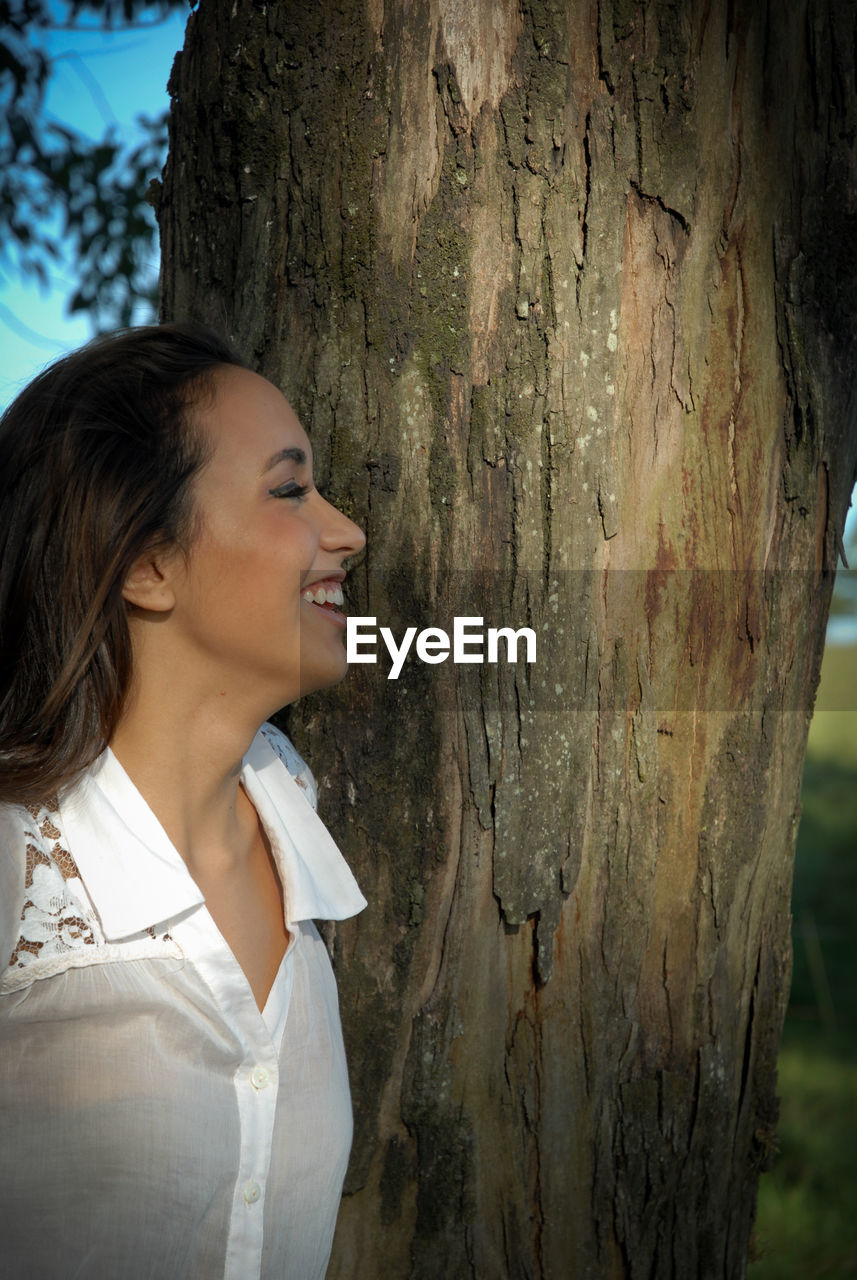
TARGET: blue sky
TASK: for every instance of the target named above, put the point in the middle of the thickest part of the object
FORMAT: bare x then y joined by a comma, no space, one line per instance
100,79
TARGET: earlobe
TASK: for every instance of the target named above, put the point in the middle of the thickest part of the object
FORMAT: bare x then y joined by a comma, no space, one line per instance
148,586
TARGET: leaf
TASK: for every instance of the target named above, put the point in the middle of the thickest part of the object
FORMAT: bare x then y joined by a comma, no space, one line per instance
61,195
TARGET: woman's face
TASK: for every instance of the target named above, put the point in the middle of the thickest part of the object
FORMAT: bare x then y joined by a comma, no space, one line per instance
265,541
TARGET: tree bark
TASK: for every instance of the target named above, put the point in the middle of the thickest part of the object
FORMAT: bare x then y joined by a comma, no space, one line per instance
564,294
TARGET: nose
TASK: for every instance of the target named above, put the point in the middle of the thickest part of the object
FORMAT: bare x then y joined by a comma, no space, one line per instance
340,534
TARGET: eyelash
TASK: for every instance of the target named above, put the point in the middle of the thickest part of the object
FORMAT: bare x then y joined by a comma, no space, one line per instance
292,490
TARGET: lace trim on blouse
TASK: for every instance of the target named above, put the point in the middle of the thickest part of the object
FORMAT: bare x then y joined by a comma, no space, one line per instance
59,929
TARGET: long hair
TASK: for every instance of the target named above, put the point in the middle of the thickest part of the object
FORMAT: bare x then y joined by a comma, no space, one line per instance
97,456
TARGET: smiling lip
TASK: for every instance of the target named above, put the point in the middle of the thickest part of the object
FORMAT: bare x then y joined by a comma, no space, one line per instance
330,575
324,594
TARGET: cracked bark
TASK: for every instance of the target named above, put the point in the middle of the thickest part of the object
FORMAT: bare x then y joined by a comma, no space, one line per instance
564,295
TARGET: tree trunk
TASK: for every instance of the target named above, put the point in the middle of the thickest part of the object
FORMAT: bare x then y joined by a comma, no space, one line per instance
563,292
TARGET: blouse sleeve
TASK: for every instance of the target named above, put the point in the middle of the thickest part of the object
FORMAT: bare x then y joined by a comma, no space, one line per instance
294,762
12,877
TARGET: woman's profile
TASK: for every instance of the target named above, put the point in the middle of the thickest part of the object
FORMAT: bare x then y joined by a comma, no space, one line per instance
173,1090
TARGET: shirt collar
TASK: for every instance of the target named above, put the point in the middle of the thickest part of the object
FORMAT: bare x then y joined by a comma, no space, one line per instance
136,878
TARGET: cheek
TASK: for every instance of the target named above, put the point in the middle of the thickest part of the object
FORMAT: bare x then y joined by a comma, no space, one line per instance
268,556
291,548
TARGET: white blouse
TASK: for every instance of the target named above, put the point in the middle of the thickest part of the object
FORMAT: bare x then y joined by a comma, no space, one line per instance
153,1123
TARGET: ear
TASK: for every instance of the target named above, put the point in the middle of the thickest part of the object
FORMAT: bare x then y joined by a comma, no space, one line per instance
149,584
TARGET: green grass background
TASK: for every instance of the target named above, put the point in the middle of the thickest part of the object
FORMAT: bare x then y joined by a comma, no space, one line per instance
806,1221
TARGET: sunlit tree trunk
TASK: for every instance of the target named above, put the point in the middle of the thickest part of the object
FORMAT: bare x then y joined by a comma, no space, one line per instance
564,293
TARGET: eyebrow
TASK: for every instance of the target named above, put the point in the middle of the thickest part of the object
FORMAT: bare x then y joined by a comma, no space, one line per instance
285,455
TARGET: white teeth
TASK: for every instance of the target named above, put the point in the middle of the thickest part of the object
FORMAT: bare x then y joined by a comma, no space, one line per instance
324,595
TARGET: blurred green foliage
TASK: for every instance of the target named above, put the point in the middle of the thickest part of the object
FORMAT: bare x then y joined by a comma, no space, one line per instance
62,195
806,1224
844,600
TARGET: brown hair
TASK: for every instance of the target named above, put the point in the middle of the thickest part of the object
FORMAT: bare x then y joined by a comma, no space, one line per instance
96,459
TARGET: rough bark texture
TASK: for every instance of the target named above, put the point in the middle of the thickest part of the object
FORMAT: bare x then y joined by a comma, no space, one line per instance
564,294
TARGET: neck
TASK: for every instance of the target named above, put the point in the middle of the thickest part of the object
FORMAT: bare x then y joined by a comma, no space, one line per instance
188,723
186,764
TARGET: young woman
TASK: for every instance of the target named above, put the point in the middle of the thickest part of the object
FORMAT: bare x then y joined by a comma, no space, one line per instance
173,1091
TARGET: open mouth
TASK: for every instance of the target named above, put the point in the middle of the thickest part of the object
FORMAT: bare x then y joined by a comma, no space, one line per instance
326,594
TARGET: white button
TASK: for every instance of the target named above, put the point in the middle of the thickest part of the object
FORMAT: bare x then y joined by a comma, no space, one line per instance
260,1077
252,1191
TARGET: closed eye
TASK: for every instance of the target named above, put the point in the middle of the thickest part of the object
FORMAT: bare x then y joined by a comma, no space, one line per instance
290,490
